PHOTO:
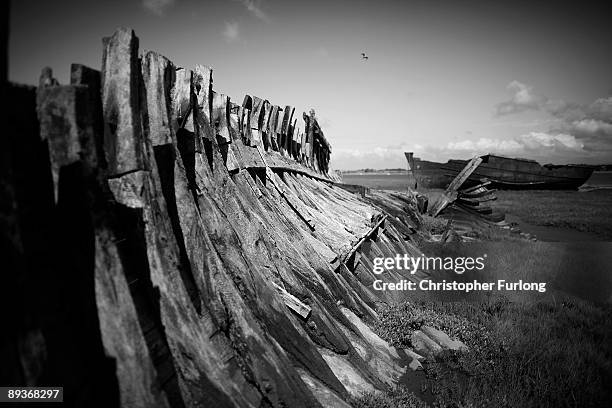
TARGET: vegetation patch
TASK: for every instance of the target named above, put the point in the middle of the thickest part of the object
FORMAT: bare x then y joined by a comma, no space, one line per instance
542,354
397,397
433,225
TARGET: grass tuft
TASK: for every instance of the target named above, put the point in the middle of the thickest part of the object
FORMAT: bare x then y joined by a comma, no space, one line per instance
433,225
397,397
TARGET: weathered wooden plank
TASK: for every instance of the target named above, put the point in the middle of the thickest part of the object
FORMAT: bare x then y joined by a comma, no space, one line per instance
220,117
302,213
247,135
293,303
483,209
233,125
292,135
158,76
128,189
450,194
46,78
272,126
73,140
476,187
247,157
121,335
464,174
279,131
476,200
310,134
240,114
481,192
257,119
297,136
264,125
371,232
353,188
91,78
120,103
181,100
286,129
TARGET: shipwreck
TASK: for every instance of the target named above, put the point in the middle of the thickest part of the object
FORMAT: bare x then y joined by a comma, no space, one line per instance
167,247
503,172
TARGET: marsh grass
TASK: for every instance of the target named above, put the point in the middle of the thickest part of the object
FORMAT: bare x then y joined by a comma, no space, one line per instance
542,354
433,225
586,212
578,268
526,349
589,212
396,397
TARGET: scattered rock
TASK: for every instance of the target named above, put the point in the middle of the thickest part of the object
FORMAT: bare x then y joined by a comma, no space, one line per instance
443,340
414,355
415,365
424,345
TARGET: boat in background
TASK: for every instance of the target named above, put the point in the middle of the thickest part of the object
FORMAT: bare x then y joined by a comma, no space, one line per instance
503,172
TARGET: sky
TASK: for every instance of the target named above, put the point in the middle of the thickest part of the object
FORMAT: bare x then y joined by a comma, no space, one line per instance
443,79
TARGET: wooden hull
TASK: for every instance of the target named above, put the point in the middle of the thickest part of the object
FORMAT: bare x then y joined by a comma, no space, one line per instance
504,173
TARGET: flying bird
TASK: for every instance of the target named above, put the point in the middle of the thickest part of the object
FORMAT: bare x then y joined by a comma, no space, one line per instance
364,56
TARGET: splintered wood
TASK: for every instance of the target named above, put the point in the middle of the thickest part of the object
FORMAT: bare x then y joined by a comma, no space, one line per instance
450,194
468,204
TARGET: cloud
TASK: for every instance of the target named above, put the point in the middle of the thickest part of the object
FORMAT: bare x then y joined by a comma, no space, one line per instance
589,125
542,146
601,109
254,7
592,128
532,145
231,32
542,143
525,99
594,133
577,133
522,100
157,7
483,145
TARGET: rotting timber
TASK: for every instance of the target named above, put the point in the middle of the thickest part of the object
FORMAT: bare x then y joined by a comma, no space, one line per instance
167,247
